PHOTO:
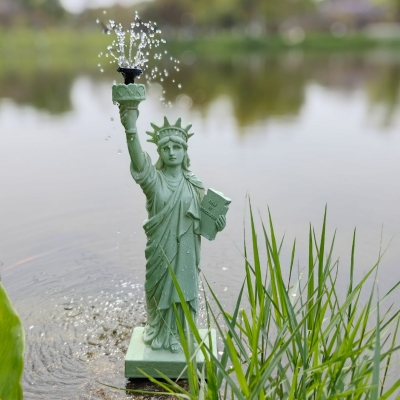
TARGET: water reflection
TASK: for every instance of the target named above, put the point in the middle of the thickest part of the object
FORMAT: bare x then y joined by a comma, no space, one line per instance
47,91
384,92
259,87
71,237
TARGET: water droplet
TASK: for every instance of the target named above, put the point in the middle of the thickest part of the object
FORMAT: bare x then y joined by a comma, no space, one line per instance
104,12
179,86
119,151
112,119
101,70
97,21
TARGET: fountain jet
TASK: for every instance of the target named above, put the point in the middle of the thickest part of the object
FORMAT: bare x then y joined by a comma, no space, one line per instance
129,74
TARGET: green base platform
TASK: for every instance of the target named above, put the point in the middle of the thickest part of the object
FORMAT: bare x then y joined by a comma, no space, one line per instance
142,356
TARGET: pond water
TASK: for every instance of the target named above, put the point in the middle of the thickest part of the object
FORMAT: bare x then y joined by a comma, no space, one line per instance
293,132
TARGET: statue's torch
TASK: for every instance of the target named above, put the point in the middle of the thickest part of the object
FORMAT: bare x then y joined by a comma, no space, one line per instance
129,94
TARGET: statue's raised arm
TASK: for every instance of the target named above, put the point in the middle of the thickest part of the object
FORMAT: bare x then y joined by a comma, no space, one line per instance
129,115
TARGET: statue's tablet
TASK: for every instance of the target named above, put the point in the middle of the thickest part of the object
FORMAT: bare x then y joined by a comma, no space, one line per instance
213,205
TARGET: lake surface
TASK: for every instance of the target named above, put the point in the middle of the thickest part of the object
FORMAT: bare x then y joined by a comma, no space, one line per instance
294,133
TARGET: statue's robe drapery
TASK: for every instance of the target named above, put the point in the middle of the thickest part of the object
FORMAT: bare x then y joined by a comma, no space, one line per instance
173,233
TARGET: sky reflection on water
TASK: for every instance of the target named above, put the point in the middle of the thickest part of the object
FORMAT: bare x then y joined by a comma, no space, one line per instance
293,133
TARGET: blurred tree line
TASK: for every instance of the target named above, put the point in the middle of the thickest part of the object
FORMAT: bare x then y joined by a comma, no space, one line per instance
32,13
257,17
253,16
188,17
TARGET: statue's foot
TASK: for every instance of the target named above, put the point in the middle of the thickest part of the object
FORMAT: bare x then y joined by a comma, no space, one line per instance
156,344
175,348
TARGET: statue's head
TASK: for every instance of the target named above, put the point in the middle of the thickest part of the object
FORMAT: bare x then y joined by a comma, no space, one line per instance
171,141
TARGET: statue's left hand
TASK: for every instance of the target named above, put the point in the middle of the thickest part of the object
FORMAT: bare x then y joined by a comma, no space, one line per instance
220,223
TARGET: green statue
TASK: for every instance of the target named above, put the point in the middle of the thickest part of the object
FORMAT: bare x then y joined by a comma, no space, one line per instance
174,205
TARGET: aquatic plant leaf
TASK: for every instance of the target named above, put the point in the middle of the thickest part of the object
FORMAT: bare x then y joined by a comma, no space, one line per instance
12,346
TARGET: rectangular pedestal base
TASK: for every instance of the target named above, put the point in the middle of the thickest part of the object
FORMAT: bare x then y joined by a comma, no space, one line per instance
141,356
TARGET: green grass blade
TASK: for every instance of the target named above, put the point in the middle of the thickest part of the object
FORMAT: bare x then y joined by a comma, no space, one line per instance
237,367
172,388
275,357
270,263
172,393
257,265
291,264
395,286
390,391
311,278
377,356
353,246
321,256
293,388
228,323
231,324
390,355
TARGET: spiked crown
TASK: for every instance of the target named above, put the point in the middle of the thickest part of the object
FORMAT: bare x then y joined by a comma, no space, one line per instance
169,130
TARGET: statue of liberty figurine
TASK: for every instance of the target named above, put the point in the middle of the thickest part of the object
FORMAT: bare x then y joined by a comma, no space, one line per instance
173,196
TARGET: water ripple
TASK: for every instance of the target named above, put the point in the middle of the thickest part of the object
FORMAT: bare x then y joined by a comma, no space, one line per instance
82,342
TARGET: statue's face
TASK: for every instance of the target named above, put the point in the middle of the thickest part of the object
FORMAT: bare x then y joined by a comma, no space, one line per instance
172,154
